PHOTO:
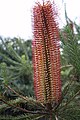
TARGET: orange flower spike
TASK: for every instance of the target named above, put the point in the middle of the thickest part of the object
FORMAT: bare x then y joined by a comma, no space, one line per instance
46,53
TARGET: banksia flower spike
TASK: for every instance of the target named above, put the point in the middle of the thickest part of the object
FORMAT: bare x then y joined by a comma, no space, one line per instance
46,53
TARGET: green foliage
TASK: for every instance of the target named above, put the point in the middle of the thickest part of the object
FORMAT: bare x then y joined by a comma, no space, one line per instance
16,64
70,71
71,47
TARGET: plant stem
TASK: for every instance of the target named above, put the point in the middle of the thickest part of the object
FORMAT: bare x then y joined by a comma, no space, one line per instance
23,109
24,98
66,104
50,117
56,117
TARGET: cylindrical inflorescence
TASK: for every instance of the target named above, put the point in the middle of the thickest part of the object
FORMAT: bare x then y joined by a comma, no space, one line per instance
46,53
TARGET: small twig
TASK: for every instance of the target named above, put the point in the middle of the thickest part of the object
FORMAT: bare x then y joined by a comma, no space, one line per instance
68,87
64,94
66,66
72,98
57,106
24,98
50,117
24,110
63,107
56,117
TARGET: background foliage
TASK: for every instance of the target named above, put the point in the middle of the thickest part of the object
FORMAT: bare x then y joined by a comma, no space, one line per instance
16,65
